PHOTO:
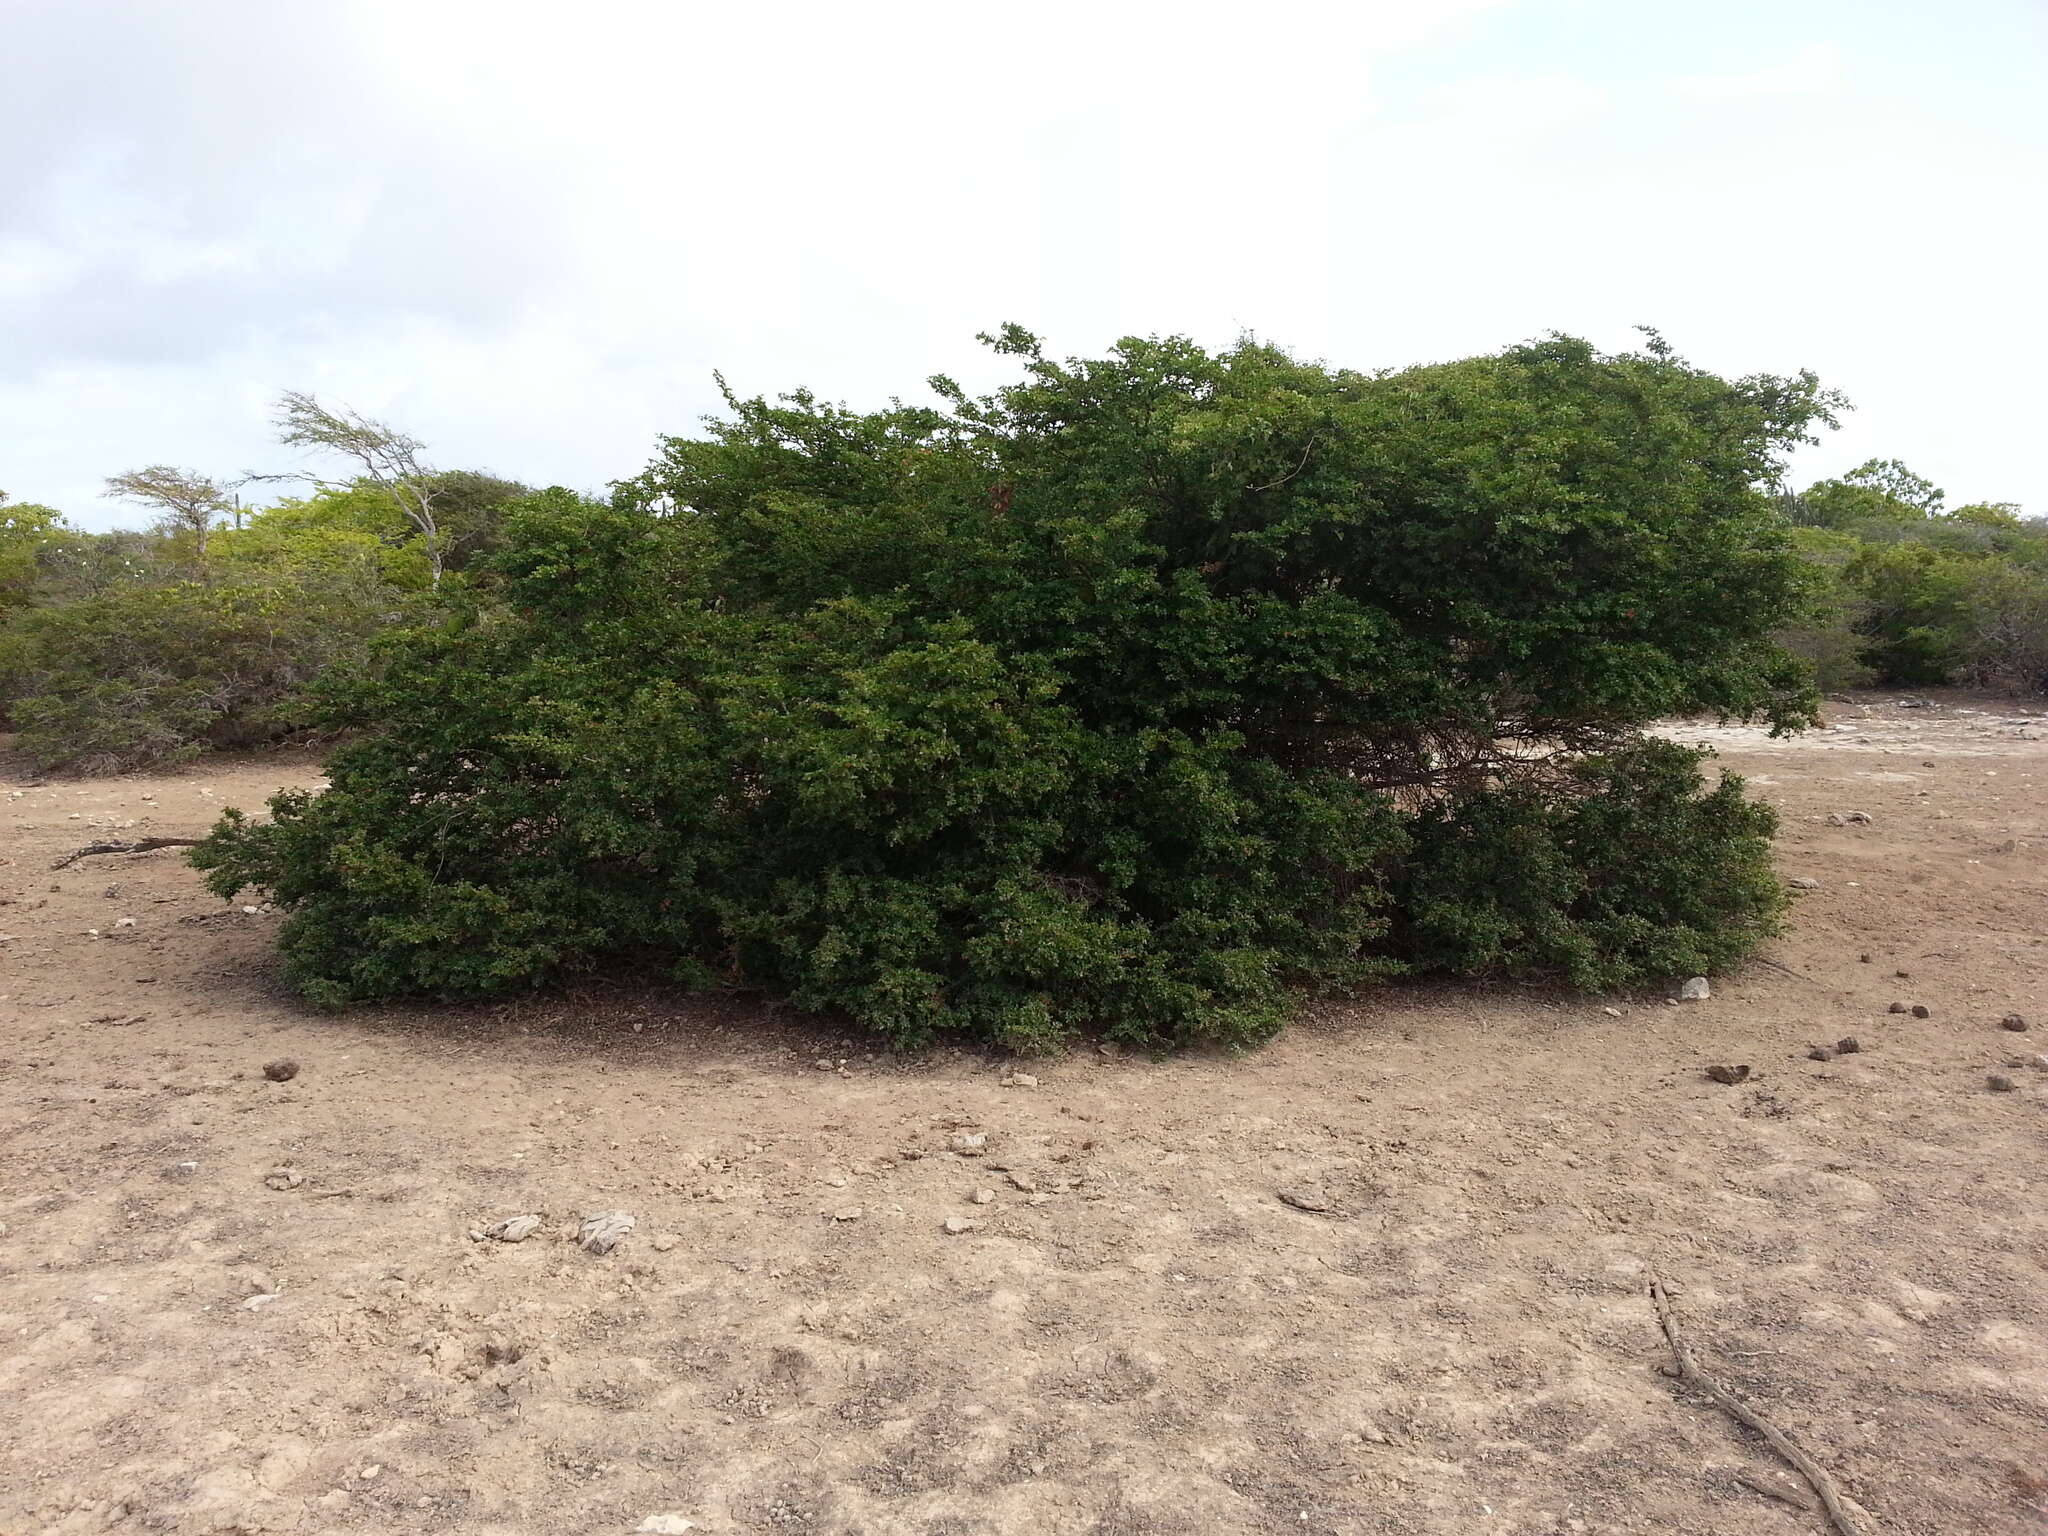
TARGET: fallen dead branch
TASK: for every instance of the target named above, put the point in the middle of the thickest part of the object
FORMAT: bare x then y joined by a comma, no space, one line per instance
1782,1443
1787,970
140,845
1798,1498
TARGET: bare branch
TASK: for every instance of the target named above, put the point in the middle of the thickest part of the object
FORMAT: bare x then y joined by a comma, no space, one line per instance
140,845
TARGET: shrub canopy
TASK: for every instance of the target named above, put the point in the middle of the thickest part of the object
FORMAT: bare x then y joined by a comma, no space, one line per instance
1120,699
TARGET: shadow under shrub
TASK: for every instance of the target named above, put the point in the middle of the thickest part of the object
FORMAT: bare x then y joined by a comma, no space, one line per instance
1625,871
1128,699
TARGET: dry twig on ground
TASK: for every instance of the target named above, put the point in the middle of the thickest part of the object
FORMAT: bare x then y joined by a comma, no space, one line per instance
1688,1370
140,845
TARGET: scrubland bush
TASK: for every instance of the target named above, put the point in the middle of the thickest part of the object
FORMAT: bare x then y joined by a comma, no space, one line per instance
1126,699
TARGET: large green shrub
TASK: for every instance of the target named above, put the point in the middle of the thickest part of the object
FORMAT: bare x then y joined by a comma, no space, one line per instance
1123,699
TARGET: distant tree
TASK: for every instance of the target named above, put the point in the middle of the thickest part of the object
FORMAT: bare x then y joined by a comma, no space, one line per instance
472,507
385,456
1989,514
25,528
186,502
1893,479
1876,492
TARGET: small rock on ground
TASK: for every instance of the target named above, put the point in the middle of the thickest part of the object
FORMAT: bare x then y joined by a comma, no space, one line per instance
281,1071
1305,1199
955,1225
1804,884
1695,990
601,1232
1820,1053
1848,1045
665,1525
1998,1082
1920,1011
2014,1022
1729,1075
513,1229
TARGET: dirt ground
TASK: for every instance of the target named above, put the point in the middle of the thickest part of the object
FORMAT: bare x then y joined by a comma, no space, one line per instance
1137,1336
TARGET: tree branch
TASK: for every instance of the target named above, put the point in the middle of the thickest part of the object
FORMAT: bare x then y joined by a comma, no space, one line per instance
1782,1443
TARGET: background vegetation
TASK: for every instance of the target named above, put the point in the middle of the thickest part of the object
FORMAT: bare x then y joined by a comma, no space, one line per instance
1912,593
132,649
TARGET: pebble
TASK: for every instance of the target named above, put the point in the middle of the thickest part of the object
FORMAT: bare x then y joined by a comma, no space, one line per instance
665,1242
2014,1022
847,1213
284,1178
601,1232
1305,1199
1804,884
955,1225
372,1472
283,1070
1848,1045
1612,1013
513,1229
1998,1082
1920,1011
1729,1075
1897,1008
1024,1182
983,1197
670,1524
1020,1080
1695,990
969,1143
1820,1053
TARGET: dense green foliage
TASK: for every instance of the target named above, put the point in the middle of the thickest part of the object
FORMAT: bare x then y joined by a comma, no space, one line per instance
1913,595
1123,699
1635,871
126,649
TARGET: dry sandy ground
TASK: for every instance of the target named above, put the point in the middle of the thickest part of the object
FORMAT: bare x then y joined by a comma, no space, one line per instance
1139,1337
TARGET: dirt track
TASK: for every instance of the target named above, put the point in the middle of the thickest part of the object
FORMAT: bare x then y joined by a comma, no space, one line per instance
1139,1337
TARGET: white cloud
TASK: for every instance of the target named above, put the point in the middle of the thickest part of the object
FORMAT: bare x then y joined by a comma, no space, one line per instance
1811,71
530,232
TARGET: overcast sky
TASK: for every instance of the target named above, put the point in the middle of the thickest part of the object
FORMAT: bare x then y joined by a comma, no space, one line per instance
529,233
